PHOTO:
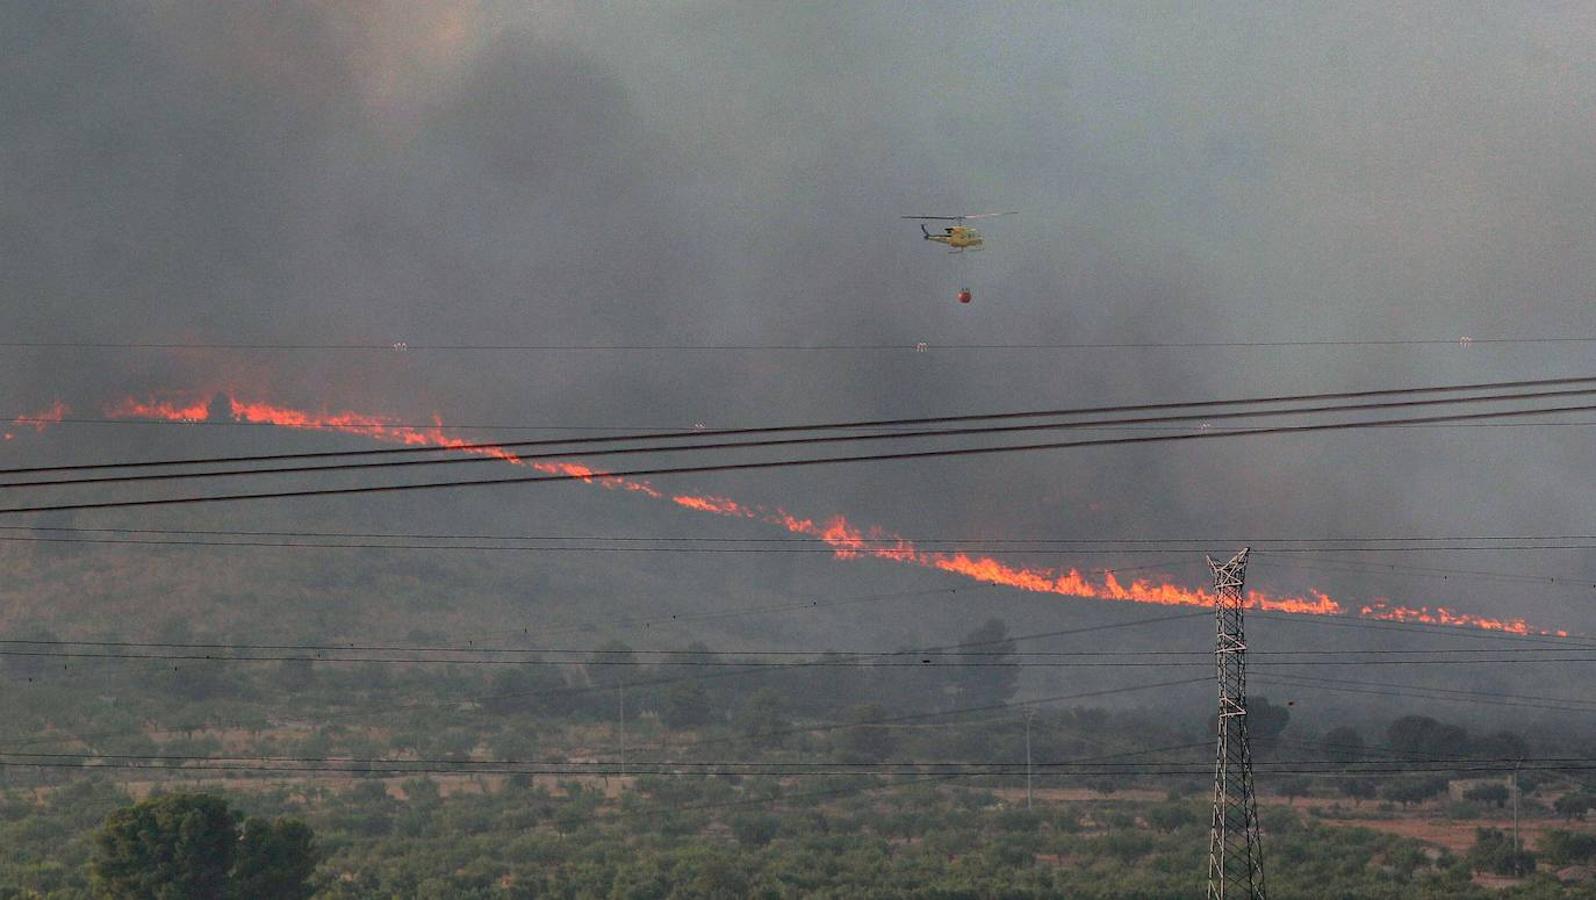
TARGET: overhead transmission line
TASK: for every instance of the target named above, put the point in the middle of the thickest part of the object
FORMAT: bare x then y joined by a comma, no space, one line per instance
1444,573
1489,698
366,540
786,442
863,548
1068,543
1316,564
913,347
944,714
1391,763
1421,692
396,768
696,656
777,464
1393,759
471,426
1434,629
1518,385
931,662
736,671
1278,679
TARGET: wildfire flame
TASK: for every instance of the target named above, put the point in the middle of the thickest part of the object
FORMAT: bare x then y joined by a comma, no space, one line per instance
846,540
42,419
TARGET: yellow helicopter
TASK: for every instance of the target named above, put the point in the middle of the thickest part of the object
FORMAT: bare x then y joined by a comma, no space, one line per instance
959,237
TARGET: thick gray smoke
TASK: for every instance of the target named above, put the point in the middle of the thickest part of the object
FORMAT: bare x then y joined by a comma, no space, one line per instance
710,173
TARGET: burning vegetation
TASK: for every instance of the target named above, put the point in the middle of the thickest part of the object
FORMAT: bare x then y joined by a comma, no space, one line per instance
848,541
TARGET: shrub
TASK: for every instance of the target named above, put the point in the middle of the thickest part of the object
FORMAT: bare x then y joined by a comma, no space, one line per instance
1574,805
1566,847
1407,791
1171,816
1488,793
1493,852
755,829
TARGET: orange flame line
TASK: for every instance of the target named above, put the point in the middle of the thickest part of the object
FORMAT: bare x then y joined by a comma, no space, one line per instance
51,415
39,421
846,540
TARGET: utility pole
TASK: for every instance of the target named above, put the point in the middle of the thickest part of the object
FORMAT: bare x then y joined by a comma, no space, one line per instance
1030,713
1235,850
1514,791
622,685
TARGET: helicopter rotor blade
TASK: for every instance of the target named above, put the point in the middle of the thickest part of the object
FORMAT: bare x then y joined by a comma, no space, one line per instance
987,215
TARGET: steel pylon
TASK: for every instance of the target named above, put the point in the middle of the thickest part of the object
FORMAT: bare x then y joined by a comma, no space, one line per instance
1235,852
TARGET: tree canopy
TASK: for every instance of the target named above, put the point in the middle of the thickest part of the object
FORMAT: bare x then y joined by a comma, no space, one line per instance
181,846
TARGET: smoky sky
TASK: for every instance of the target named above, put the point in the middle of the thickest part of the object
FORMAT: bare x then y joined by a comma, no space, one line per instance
708,173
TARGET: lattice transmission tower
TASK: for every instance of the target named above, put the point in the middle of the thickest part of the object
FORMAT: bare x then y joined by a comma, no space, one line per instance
1235,853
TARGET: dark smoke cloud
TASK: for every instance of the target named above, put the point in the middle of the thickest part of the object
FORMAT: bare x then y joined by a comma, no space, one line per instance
382,172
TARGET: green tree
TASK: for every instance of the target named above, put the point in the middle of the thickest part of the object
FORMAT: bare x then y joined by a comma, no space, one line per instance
1493,852
1424,736
1501,745
1565,847
1293,787
983,671
755,829
1343,744
1574,805
612,667
716,878
1167,817
28,668
864,740
274,859
174,847
511,690
199,681
1265,720
189,847
1488,793
535,688
685,705
296,675
1413,790
1359,789
761,720
817,691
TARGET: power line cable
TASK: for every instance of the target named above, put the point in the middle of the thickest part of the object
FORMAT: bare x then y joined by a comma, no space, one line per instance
1171,769
927,660
935,715
773,442
673,618
725,671
917,347
23,419
1514,701
867,549
1433,629
872,721
703,655
797,767
1444,573
1067,542
822,426
772,464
